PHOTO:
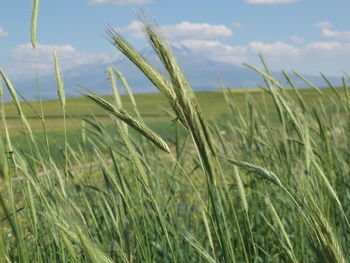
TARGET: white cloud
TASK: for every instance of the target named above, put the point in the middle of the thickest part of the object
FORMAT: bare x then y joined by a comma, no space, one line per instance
119,2
3,33
277,49
324,24
232,54
329,57
338,35
334,48
297,39
309,58
271,1
23,60
334,34
26,50
198,31
134,29
183,30
216,50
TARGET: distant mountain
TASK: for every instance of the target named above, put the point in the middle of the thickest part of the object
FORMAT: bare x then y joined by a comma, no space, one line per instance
202,73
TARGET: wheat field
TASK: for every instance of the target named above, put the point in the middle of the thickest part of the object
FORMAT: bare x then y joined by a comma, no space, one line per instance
269,182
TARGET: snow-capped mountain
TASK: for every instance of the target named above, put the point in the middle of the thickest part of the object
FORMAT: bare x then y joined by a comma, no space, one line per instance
201,71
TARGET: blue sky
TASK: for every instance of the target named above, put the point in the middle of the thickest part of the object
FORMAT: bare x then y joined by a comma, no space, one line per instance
308,36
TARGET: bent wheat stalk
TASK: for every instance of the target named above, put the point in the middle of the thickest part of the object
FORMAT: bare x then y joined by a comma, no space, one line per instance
129,120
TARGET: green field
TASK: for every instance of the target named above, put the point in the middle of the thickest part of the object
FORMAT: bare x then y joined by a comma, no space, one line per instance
153,107
246,126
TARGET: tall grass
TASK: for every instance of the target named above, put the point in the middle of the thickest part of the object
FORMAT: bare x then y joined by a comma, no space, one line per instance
245,188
